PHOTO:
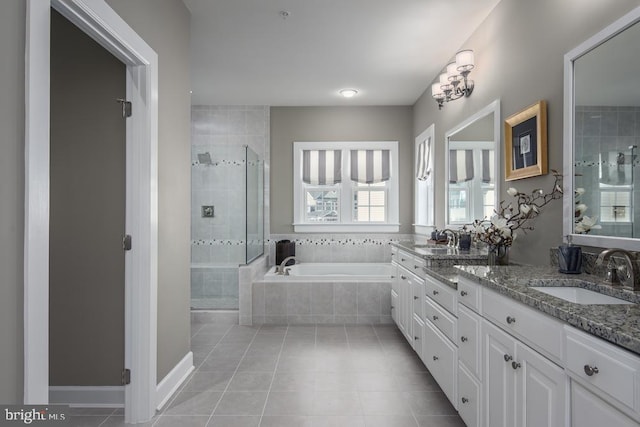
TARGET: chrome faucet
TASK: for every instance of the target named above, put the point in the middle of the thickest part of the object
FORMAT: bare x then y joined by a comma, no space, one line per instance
626,275
454,237
281,269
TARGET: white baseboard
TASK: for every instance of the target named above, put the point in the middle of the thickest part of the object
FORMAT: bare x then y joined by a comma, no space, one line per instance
86,396
172,381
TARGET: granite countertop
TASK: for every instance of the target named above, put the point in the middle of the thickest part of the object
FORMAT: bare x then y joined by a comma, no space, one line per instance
433,251
618,324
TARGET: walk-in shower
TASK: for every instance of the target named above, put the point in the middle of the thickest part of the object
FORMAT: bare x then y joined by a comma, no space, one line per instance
227,226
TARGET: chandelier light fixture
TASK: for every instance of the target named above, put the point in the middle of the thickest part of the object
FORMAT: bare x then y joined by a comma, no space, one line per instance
453,83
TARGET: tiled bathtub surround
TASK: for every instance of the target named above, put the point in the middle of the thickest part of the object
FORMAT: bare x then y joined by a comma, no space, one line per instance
295,302
340,247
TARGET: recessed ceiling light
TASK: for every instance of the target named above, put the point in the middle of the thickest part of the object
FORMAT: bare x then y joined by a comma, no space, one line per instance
348,93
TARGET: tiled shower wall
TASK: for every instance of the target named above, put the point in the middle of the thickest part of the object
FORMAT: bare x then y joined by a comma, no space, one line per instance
218,243
600,129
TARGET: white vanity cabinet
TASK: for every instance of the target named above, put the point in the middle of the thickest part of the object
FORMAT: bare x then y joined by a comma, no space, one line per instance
407,300
521,387
602,376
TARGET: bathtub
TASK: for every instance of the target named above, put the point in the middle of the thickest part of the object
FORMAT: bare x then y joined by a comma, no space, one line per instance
333,272
324,293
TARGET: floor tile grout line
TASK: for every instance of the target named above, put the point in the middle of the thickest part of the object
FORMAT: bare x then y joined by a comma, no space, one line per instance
357,391
273,374
182,386
108,416
232,376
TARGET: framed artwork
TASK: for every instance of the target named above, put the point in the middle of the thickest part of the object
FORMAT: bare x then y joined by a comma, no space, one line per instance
525,139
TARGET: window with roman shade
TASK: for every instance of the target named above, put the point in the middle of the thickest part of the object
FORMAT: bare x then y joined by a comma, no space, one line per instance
487,166
346,186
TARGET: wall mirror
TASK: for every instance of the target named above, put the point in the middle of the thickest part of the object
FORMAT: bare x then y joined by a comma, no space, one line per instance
602,136
471,167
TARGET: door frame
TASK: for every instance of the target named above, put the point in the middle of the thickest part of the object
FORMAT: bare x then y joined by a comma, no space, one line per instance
106,27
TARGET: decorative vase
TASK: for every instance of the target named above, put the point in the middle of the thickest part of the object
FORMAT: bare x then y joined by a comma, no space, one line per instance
498,255
569,259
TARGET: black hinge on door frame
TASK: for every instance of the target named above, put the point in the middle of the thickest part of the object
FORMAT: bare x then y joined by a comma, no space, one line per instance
126,242
126,107
126,376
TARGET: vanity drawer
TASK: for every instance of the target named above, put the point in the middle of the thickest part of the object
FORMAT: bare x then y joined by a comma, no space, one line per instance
469,293
442,294
613,370
442,319
531,326
469,340
406,260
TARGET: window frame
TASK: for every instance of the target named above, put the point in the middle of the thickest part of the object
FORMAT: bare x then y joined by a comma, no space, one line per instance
347,222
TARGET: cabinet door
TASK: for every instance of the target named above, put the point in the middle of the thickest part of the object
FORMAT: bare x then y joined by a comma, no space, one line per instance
499,377
401,285
588,410
469,402
407,299
441,358
418,326
394,306
540,390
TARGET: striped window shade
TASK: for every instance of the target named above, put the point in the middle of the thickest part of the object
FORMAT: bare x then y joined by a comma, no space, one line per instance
370,166
488,166
321,167
422,167
460,166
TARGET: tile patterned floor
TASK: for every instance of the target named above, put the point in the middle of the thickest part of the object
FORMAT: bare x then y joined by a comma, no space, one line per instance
299,376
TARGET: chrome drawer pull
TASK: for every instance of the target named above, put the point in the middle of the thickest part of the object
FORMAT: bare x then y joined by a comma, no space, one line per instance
507,358
511,320
465,400
590,370
435,292
402,259
403,277
463,293
435,317
435,357
463,339
416,338
416,267
416,297
392,307
515,365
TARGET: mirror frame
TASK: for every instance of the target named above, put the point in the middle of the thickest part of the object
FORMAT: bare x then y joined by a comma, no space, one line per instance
568,208
493,107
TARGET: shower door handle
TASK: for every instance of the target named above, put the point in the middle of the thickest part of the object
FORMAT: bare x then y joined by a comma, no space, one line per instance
126,242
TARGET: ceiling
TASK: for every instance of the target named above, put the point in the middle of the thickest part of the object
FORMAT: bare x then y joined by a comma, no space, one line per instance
243,52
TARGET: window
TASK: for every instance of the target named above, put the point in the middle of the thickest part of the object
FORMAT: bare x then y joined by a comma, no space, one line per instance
346,186
615,203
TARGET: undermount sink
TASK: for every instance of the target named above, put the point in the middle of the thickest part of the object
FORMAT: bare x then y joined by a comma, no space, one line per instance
579,295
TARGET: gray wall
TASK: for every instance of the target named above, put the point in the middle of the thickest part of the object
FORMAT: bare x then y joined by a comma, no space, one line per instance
165,26
519,58
87,210
12,30
290,124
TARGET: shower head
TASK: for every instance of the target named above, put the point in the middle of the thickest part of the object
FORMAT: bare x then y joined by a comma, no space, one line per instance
204,158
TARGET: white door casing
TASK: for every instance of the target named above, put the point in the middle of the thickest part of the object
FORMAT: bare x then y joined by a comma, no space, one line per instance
101,23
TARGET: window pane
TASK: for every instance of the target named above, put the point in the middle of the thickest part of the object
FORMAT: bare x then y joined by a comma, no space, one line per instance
369,205
615,206
322,206
457,205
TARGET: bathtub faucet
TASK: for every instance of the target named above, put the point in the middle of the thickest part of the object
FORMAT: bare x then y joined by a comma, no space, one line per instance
281,269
